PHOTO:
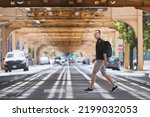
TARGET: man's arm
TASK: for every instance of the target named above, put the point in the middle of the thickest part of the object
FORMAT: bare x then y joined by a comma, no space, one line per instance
105,59
93,60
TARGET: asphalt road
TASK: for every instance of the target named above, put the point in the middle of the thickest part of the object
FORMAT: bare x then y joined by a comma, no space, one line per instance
66,82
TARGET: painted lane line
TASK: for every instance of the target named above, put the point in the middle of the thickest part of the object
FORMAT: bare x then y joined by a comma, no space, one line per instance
142,87
69,90
63,83
54,88
4,83
13,88
37,85
106,95
131,91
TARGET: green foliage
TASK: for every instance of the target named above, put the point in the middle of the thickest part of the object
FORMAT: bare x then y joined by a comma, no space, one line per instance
31,48
126,33
146,30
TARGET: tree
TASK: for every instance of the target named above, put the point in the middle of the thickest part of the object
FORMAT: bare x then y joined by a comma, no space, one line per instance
146,30
128,35
30,49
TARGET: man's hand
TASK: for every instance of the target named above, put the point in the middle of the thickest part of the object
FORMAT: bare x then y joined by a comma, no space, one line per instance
106,63
93,61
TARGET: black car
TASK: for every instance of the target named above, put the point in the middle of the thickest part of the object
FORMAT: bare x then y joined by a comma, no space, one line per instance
114,63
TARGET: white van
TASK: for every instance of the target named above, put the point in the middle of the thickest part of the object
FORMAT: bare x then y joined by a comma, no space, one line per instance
16,60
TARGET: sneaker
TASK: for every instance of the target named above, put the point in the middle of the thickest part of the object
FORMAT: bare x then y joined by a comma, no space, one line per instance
114,88
88,89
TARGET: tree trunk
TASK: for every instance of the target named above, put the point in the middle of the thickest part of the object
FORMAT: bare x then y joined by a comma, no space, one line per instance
131,57
136,56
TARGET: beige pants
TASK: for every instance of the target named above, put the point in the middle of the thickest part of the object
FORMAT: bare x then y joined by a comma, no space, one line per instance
99,65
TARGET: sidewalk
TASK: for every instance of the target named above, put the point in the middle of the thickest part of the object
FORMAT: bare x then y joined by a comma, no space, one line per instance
145,73
32,69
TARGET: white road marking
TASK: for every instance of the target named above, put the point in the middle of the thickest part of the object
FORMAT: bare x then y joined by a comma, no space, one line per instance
105,95
142,87
69,91
62,87
136,91
4,83
54,88
66,85
131,91
32,89
13,88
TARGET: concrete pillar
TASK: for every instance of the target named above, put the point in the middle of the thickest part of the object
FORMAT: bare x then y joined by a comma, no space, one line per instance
19,35
4,44
116,43
35,55
13,41
140,39
5,33
113,39
126,55
88,48
133,17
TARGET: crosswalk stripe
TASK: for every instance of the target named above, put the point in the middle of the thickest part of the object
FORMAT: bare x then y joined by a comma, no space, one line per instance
13,88
32,89
54,88
69,91
4,83
33,76
66,85
106,95
63,88
61,91
139,86
128,89
16,87
147,89
131,91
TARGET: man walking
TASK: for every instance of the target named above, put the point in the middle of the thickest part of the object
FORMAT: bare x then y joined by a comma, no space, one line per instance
100,63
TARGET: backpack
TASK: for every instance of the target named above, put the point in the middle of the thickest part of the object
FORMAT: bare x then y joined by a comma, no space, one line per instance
108,49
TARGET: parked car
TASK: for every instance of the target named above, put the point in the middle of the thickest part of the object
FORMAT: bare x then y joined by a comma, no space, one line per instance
60,60
63,60
135,64
52,60
86,61
71,60
44,60
57,60
114,63
79,60
16,60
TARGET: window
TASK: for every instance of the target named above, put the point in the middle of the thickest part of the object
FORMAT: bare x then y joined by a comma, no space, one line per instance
11,55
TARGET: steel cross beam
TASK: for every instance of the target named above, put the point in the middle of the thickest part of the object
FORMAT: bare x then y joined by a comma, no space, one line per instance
75,3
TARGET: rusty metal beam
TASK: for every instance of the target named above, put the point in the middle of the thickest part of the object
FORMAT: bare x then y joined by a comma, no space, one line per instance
75,3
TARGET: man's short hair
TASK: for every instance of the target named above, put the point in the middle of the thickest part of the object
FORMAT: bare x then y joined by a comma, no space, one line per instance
98,31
